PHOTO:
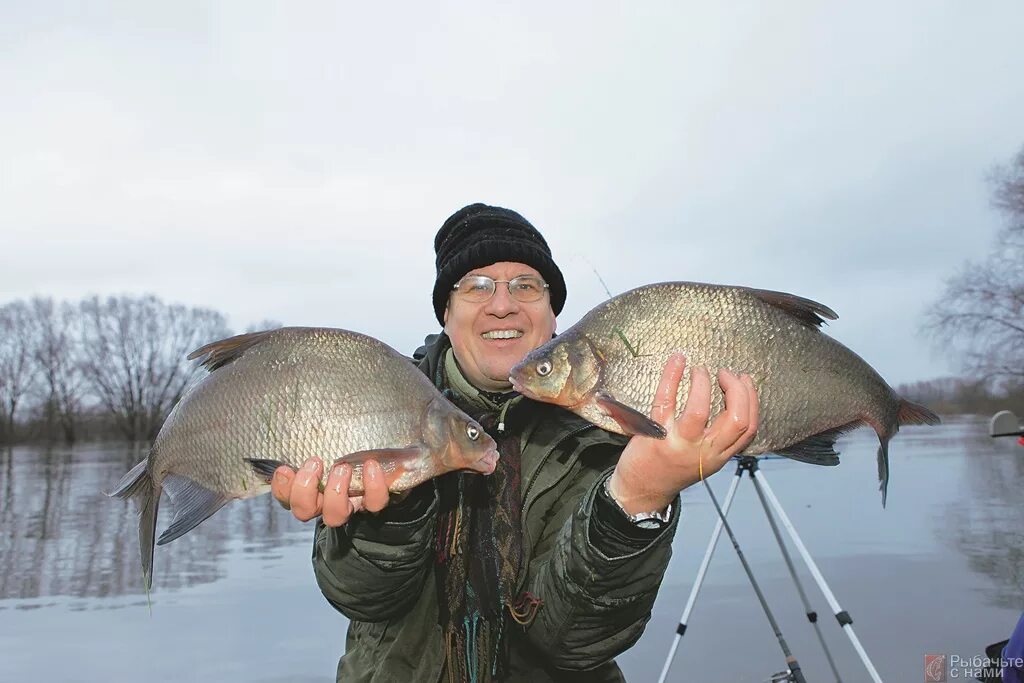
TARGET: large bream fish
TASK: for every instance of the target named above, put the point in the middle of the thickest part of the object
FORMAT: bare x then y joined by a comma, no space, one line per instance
607,366
283,396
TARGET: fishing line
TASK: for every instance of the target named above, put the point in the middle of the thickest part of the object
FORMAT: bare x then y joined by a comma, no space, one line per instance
601,280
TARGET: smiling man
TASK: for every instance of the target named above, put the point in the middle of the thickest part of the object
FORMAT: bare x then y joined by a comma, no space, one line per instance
548,568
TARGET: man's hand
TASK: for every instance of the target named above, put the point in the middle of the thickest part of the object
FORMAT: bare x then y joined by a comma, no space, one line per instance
651,472
300,491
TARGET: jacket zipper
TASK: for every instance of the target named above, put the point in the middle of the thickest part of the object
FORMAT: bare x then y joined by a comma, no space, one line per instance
529,487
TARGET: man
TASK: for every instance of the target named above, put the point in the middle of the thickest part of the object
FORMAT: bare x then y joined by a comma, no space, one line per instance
548,568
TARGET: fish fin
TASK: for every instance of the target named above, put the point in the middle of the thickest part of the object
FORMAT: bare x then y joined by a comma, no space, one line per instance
391,460
915,414
820,448
138,484
133,483
810,313
192,505
382,454
632,421
266,468
883,468
221,353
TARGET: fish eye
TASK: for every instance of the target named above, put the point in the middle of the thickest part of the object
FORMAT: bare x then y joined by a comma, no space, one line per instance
544,368
472,432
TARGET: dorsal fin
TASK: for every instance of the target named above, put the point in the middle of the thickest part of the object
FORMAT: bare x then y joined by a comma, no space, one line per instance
220,353
810,313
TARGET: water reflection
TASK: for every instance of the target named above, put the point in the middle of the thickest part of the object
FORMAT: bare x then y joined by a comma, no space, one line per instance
986,523
63,537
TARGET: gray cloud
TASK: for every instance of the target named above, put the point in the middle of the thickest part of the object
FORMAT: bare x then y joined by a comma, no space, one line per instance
293,163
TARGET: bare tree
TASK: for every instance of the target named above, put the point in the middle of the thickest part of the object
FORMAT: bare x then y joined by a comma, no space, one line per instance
134,351
1009,189
58,355
980,316
17,366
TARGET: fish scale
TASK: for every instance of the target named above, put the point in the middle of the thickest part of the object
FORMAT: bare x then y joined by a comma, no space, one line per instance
725,318
299,415
810,387
283,396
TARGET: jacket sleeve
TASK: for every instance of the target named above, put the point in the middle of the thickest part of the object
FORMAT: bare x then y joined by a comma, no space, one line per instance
595,606
373,568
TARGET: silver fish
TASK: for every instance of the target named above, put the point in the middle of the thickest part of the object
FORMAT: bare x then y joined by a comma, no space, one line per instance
283,396
811,388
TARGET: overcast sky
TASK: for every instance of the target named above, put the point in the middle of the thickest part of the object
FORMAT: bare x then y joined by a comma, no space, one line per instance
293,161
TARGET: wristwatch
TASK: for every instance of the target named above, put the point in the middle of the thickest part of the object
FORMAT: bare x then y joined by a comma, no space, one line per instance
644,520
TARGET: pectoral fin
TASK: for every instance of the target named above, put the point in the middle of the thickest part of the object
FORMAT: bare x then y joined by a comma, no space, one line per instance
631,421
266,468
393,461
383,455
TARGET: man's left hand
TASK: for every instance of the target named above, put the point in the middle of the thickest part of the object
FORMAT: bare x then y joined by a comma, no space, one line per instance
651,472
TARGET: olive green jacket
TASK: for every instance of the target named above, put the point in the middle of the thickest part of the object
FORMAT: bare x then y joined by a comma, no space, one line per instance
379,571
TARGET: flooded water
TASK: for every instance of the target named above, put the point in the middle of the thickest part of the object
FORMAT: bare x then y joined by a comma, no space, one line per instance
941,570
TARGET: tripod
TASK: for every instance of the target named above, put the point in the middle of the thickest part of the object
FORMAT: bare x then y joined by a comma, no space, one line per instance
749,464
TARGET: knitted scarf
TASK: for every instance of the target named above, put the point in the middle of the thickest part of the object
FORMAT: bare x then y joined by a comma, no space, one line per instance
479,546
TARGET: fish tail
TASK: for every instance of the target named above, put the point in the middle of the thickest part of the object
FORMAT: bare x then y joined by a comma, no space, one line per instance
907,413
138,484
883,468
915,414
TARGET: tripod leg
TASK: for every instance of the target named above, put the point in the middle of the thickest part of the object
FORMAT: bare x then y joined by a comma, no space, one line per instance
841,615
698,582
812,616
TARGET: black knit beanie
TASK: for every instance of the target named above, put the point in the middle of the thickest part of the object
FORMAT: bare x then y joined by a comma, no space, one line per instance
479,235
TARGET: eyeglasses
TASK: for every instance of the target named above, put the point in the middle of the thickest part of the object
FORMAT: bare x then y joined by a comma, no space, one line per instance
480,288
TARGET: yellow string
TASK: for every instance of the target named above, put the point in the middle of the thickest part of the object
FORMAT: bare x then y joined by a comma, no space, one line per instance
700,465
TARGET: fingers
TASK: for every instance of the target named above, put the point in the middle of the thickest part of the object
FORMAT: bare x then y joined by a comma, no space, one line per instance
755,408
663,410
281,486
306,499
735,426
694,419
375,488
338,507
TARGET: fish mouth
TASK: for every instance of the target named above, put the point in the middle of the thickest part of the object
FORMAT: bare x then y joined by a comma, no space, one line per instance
488,462
516,386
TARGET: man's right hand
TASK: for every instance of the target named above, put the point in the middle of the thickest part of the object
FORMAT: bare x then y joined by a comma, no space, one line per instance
300,491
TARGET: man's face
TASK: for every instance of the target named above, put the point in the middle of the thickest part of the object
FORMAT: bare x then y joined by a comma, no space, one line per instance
485,360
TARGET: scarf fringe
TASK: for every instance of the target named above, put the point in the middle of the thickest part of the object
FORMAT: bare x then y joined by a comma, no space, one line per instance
472,651
479,549
524,609
447,540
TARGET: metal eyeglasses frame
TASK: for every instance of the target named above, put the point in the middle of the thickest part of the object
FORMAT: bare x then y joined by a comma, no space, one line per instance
494,287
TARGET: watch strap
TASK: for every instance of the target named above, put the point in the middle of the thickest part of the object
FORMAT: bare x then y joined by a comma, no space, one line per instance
644,520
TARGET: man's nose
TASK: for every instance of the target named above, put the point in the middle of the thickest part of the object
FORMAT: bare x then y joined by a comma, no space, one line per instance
502,303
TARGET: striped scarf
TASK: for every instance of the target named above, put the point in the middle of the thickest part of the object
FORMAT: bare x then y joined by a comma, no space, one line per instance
479,547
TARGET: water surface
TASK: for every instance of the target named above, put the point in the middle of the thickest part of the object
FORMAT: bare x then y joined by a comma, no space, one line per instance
940,570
